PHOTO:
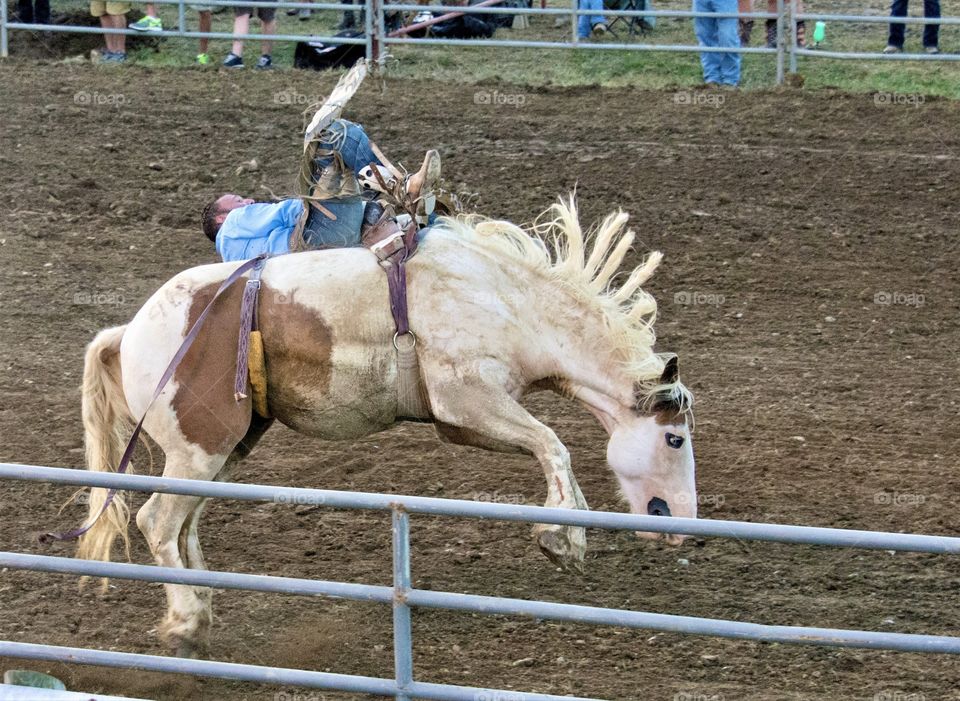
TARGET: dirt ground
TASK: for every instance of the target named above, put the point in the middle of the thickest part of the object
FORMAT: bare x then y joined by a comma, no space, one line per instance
809,288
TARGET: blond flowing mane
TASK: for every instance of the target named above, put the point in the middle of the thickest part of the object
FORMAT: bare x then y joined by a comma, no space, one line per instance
585,264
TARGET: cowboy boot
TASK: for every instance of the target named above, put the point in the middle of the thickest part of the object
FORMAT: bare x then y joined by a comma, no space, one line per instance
771,33
420,198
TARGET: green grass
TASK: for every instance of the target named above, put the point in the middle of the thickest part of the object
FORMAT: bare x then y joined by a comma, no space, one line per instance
655,70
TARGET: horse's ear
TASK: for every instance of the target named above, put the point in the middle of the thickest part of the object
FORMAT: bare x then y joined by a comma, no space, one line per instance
671,371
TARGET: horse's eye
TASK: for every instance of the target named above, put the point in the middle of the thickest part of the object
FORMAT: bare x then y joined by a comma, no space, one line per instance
674,441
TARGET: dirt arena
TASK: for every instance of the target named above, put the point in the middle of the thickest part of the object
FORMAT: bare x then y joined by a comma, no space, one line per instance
810,288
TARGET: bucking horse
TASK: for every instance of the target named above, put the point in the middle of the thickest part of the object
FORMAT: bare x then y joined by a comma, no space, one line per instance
497,311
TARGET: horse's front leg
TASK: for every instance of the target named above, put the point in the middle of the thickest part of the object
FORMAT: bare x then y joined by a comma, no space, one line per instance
482,412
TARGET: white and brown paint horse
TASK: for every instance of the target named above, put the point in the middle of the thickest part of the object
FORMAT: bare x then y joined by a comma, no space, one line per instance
495,314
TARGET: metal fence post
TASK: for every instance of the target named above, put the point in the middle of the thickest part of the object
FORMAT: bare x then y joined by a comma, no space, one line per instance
379,50
781,43
3,29
182,16
402,630
574,19
368,27
792,4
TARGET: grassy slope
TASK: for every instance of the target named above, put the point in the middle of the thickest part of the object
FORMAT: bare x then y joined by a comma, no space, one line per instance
616,68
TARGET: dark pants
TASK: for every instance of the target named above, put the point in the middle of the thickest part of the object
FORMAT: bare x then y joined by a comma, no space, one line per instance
30,15
931,32
353,145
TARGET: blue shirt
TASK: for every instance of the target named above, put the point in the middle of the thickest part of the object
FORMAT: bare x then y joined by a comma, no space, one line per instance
257,228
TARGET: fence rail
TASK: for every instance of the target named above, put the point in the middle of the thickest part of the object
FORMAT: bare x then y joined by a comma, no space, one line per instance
377,39
402,596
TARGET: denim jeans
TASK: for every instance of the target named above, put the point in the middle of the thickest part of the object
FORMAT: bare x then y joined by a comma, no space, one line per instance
931,32
585,22
718,67
31,12
353,145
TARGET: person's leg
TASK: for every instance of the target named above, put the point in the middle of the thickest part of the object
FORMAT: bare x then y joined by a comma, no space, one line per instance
268,25
801,26
897,9
705,29
120,40
583,21
206,24
596,19
42,14
351,142
241,25
745,24
25,11
931,32
728,37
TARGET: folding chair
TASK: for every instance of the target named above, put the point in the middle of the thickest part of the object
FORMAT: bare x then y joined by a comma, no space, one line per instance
635,24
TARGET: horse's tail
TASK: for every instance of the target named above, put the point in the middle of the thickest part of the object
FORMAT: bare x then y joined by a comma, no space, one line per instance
106,423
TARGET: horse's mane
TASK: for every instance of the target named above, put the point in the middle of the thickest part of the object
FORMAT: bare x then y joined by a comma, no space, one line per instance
585,265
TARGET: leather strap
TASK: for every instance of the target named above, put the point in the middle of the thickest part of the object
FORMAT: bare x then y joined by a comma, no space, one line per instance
164,379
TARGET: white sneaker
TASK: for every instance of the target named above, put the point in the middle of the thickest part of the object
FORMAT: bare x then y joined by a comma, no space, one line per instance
891,49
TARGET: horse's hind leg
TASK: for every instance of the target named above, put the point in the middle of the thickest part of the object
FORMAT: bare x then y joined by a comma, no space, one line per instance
162,520
189,544
482,412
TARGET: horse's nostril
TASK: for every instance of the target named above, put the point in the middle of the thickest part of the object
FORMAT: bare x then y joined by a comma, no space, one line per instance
658,507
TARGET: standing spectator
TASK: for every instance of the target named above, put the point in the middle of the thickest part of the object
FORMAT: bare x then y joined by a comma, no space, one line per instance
931,32
719,68
746,26
205,14
349,20
241,25
31,12
588,25
113,15
150,22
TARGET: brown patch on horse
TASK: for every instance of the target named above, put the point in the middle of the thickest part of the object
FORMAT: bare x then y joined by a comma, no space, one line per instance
298,350
207,412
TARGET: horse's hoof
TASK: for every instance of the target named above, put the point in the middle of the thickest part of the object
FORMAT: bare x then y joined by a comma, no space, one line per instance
561,549
190,650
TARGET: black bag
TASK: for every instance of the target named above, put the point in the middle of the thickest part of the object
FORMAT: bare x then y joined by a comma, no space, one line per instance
319,56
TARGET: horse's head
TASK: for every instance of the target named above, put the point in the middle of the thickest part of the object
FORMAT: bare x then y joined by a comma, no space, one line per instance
651,453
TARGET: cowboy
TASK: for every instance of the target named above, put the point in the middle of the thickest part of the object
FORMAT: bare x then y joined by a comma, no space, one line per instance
345,188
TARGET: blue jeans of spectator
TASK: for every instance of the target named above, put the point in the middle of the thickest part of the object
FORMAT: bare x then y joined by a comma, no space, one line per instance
585,22
353,145
718,67
931,32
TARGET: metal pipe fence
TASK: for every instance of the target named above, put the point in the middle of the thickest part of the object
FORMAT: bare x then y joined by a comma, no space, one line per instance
377,40
403,597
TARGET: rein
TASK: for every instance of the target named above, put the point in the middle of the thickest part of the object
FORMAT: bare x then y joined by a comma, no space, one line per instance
254,264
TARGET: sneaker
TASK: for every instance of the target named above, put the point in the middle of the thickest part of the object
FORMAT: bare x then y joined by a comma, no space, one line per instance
233,61
292,11
265,63
598,30
932,50
203,59
891,49
147,24
113,57
303,14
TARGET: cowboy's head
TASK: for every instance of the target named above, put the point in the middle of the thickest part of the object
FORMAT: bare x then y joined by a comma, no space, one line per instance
215,212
